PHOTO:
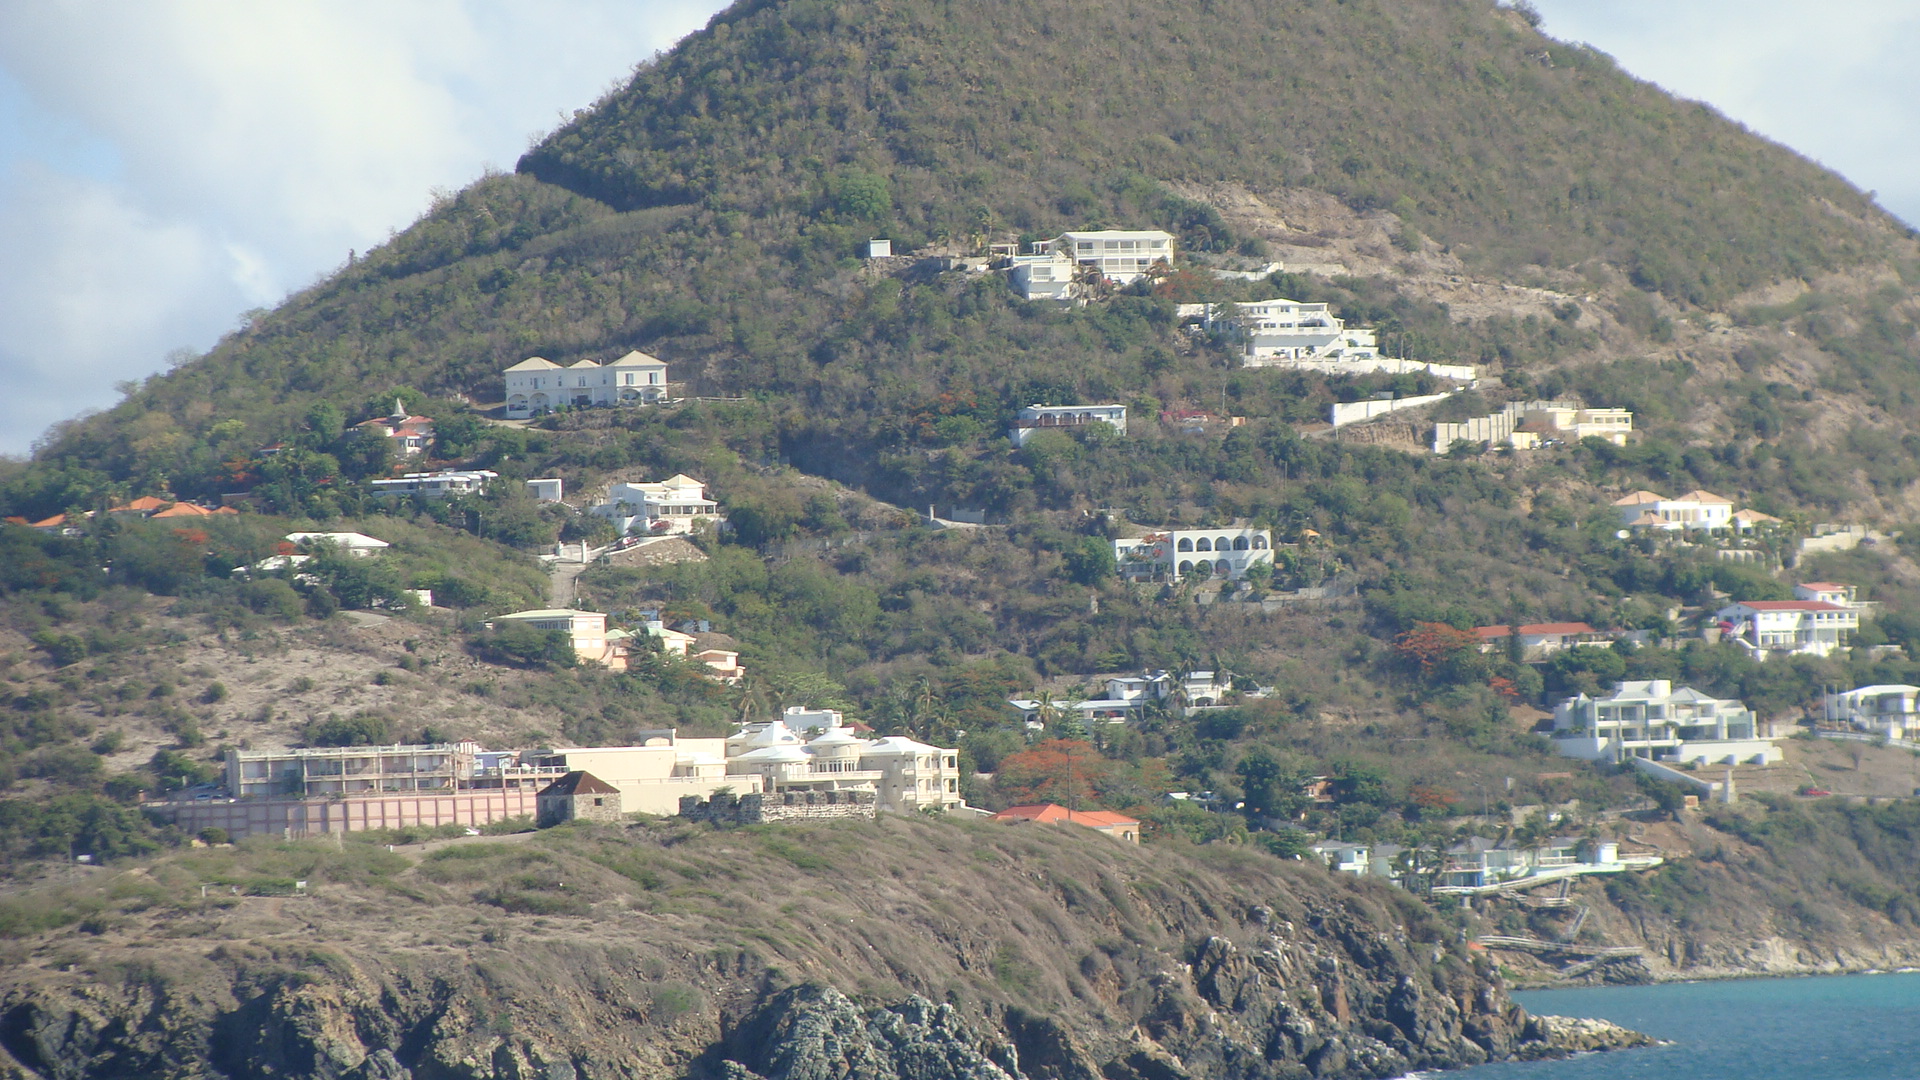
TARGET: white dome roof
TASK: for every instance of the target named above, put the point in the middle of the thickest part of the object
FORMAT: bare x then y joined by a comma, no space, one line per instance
900,744
836,737
774,734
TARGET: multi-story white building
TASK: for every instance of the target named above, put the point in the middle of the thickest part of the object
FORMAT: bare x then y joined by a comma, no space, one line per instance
1892,710
1805,627
1035,418
436,485
1279,330
1044,275
1127,695
903,774
537,385
673,505
1122,256
1653,720
1203,553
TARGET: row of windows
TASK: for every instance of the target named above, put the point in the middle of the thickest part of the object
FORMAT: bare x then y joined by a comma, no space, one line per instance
1237,543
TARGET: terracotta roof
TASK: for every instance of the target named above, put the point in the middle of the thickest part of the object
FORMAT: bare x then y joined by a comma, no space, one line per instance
18,521
1638,497
143,503
534,363
184,509
1824,586
1054,812
579,783
1701,495
53,522
1754,516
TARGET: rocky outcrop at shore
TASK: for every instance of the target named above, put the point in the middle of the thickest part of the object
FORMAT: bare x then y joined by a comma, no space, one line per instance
1564,1036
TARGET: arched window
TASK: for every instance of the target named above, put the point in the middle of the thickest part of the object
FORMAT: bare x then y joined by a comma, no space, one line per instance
1203,568
1186,544
1239,543
1203,545
1186,565
1259,543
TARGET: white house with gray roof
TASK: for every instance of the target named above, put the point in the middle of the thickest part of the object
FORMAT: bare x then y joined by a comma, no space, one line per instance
537,385
1651,719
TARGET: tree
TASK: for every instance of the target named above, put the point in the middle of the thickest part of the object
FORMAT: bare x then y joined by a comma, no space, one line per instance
1091,562
1065,771
1272,787
1442,652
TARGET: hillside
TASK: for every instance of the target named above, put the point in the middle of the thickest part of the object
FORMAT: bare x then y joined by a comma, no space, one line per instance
660,950
1435,169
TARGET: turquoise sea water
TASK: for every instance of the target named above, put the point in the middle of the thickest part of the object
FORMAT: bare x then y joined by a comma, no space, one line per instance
1847,1027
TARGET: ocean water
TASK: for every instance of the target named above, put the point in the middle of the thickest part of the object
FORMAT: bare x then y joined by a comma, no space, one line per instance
1844,1027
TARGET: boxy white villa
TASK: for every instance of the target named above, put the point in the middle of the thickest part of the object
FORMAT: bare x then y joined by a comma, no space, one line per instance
1183,553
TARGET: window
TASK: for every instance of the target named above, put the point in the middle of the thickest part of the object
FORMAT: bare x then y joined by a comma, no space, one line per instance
599,802
1185,544
1204,545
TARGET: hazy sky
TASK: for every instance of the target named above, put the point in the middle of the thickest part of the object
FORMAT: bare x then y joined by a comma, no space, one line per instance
166,166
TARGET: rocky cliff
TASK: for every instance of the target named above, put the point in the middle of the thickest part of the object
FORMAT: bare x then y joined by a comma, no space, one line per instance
898,949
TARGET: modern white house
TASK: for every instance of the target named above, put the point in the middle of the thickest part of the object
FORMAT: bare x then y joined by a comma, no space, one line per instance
1788,627
547,489
1888,709
1203,553
673,505
1122,256
1272,332
1479,865
436,485
1127,695
1696,510
537,385
1044,275
1036,418
1653,720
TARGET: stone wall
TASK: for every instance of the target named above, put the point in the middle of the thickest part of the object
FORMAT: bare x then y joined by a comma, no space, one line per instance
725,808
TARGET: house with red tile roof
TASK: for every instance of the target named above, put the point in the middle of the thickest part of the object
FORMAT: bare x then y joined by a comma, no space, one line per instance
1542,639
1115,825
1788,627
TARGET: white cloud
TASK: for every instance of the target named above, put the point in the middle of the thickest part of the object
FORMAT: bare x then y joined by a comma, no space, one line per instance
165,166
1832,81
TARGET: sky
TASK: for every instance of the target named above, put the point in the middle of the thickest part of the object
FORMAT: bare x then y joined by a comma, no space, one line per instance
166,167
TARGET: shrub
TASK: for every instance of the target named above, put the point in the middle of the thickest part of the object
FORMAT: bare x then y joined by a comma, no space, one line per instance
362,730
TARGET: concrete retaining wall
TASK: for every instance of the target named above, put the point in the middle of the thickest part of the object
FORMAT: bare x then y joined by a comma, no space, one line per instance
729,809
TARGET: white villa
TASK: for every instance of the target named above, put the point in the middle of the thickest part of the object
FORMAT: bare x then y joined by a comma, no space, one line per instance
1653,720
1277,330
436,485
1888,709
1480,865
1791,627
1696,510
1044,417
1050,270
903,774
1173,555
537,385
673,505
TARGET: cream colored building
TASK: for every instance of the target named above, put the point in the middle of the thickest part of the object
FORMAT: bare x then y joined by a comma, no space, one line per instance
587,630
652,776
673,505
